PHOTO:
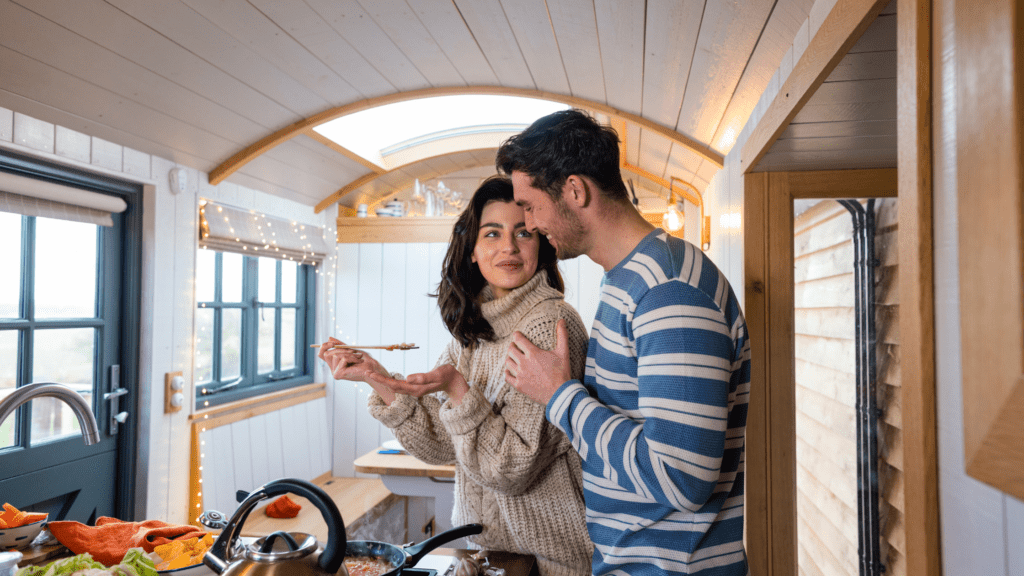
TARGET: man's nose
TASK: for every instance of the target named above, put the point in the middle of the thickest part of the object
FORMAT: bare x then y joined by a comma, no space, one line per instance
531,224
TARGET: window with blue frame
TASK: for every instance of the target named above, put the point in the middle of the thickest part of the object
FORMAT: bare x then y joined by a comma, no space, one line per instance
254,325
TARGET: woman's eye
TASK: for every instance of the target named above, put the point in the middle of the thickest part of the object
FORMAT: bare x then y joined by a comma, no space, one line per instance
525,234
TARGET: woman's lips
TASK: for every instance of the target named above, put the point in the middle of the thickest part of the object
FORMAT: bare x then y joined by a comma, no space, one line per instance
511,266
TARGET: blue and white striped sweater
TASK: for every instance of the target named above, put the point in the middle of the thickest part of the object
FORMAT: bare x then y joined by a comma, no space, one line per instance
659,419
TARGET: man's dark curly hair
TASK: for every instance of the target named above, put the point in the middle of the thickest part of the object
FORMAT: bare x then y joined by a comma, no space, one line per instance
561,144
461,280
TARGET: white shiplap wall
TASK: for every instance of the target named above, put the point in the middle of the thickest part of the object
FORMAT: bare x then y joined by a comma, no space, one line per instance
290,443
381,297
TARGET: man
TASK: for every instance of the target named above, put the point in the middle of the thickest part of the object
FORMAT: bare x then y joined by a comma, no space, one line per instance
659,418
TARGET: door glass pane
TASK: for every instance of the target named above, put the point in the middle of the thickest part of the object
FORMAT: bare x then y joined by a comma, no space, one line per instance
847,385
287,338
204,344
268,280
10,264
206,261
8,380
289,273
231,278
65,276
266,341
231,344
64,356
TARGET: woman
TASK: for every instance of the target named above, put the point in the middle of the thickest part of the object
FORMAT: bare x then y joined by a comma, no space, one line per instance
515,473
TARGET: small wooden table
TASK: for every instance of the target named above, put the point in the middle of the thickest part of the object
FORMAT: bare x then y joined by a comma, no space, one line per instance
406,475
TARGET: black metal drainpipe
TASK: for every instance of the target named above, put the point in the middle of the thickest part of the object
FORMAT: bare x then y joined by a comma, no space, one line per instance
869,539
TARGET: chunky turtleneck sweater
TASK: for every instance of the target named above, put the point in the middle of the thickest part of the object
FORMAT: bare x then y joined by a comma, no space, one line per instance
515,472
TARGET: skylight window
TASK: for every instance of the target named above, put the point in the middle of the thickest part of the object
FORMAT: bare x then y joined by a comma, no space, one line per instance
435,125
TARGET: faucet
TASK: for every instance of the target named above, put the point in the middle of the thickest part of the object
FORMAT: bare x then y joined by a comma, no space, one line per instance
86,420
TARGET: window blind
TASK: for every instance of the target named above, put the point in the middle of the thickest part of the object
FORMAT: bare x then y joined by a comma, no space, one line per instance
229,229
34,197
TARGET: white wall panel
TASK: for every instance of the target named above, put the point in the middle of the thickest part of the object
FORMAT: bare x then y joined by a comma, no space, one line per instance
346,316
276,442
219,471
6,125
241,456
260,448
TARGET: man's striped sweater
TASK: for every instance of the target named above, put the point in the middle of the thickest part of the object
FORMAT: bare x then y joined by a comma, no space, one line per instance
659,418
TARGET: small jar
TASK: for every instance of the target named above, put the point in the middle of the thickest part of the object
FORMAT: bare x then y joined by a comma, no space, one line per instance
361,211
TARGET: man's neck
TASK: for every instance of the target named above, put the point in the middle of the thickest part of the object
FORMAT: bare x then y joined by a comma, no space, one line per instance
615,233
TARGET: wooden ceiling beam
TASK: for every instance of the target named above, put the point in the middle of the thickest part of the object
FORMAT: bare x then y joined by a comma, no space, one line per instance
371,176
247,154
843,26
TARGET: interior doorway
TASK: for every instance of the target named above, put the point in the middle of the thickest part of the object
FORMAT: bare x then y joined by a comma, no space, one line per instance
777,429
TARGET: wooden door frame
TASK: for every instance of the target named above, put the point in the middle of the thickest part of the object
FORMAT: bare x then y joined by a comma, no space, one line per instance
771,418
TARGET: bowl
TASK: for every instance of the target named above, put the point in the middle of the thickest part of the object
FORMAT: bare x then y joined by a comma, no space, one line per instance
21,536
193,570
384,212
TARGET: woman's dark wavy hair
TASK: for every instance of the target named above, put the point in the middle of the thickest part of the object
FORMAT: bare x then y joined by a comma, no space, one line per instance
561,144
461,280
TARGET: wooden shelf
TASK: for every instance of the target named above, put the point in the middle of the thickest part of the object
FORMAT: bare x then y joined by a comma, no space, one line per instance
401,230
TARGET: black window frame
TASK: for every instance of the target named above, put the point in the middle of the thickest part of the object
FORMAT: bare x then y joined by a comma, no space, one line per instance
251,382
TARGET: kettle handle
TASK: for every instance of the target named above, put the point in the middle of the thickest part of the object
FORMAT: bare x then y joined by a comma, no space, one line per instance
334,550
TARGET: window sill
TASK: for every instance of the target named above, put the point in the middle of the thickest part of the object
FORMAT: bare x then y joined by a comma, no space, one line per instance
257,405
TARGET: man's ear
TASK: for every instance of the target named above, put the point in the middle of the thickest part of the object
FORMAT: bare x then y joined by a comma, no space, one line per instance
577,191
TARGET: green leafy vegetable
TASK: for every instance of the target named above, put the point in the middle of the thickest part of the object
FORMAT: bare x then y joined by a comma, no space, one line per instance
135,563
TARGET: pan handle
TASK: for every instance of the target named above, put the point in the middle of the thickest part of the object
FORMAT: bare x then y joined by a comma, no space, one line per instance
416,552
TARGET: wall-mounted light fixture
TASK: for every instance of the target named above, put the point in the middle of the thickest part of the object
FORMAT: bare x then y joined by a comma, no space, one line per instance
697,198
674,218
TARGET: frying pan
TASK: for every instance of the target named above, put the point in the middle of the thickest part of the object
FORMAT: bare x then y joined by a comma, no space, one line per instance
407,556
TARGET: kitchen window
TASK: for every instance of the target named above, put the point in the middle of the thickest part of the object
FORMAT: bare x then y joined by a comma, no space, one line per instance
254,325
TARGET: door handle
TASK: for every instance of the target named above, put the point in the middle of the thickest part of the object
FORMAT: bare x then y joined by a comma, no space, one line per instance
114,397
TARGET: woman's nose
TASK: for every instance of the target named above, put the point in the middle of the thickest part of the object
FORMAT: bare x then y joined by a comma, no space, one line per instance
511,245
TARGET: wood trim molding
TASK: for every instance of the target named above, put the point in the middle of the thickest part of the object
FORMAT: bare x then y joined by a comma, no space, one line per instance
771,508
339,194
989,143
841,29
245,155
392,230
250,407
341,150
758,507
870,183
923,546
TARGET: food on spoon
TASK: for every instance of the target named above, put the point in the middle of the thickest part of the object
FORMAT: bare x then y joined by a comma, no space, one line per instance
367,566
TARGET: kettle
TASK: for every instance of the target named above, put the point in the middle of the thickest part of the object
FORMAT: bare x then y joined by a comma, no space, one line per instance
291,553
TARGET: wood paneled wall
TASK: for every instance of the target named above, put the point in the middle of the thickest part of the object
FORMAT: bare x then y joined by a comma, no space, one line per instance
825,390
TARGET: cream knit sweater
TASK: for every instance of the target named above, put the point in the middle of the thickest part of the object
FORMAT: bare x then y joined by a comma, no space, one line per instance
515,473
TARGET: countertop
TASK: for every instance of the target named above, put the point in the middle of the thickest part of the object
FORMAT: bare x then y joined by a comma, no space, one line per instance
400,465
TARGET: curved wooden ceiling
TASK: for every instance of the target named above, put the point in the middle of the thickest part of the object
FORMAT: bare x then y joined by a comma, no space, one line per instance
205,84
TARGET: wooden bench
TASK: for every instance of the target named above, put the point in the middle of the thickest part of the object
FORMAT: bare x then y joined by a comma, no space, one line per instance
370,511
